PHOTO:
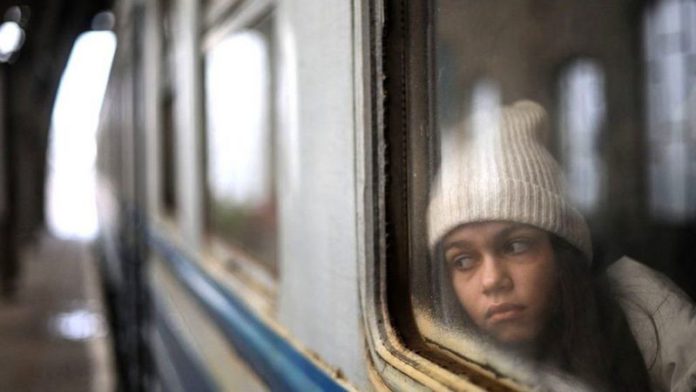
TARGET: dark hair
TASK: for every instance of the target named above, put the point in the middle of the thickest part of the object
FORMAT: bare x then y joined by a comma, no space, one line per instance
591,330
588,335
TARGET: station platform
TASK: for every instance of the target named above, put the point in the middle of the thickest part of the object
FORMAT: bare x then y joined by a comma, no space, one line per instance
54,333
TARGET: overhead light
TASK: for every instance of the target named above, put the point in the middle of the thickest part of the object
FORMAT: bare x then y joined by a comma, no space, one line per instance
11,39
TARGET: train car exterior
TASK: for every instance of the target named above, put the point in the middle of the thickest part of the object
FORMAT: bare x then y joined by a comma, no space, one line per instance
193,312
265,169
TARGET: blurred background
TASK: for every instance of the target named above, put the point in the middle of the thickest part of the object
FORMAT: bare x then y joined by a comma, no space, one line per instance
55,58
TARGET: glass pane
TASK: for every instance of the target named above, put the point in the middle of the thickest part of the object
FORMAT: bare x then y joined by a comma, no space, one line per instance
240,173
562,211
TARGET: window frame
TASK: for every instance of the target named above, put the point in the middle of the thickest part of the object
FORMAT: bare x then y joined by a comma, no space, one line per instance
397,147
399,122
236,270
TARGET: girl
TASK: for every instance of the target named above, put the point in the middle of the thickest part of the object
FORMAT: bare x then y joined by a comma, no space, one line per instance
519,258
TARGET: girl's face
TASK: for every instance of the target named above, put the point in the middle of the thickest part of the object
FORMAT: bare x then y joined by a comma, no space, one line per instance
504,275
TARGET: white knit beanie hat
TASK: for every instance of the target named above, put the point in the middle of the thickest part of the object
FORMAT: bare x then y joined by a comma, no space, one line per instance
503,173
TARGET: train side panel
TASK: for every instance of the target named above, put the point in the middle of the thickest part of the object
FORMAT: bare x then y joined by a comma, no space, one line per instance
318,297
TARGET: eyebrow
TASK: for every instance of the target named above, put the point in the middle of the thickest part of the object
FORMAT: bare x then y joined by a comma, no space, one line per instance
455,244
513,227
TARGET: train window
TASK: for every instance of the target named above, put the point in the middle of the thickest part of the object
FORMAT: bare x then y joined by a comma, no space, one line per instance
240,141
553,239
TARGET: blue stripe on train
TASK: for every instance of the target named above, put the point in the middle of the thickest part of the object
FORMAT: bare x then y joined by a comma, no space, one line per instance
279,364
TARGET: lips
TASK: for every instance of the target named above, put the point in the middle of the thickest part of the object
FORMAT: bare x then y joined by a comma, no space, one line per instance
503,312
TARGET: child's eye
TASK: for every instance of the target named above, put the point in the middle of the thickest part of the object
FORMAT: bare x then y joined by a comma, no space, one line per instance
518,246
462,262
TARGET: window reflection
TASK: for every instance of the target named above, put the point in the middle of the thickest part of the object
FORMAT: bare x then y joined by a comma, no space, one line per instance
582,117
240,142
482,116
485,108
670,55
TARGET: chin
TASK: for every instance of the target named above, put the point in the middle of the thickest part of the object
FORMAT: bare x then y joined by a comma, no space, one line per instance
514,337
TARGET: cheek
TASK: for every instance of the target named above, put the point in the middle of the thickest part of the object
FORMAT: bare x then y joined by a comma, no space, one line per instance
467,295
539,286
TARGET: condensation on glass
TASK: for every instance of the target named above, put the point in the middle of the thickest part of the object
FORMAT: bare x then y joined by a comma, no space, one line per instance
618,87
240,171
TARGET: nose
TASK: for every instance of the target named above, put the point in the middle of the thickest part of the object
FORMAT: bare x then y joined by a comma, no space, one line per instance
494,276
